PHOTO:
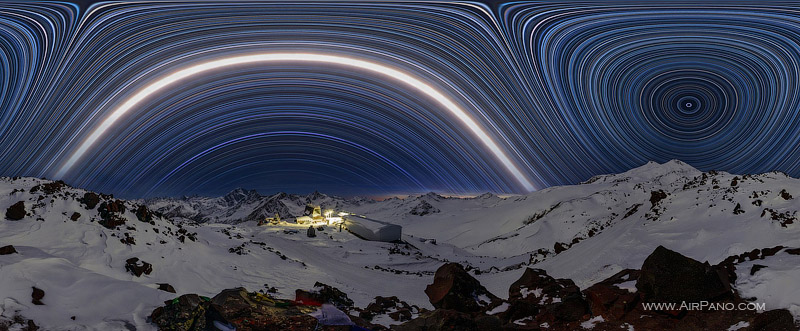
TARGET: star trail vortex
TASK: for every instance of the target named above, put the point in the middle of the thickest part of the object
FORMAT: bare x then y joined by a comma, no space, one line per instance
147,98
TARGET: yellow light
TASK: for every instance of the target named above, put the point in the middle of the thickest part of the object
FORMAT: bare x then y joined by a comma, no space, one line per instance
398,75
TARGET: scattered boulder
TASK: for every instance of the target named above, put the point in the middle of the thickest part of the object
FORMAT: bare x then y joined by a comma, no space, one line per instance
138,268
143,214
668,276
166,287
90,200
738,209
111,214
53,187
75,216
16,212
453,288
37,296
6,250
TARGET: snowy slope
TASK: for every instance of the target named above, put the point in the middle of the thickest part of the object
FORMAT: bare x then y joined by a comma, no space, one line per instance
590,231
82,263
585,232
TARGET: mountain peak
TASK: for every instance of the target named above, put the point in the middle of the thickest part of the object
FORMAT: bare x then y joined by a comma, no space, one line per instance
240,195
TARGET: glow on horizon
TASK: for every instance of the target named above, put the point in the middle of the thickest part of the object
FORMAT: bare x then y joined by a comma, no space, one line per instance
403,77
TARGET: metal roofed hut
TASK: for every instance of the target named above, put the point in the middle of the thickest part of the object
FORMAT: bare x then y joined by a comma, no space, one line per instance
374,230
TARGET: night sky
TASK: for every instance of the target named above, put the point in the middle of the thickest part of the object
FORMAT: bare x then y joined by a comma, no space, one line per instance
147,99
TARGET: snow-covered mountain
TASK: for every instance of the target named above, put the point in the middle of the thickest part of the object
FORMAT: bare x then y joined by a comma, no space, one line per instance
241,205
585,232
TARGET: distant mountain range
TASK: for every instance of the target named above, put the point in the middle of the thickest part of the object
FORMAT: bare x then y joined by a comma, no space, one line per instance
241,205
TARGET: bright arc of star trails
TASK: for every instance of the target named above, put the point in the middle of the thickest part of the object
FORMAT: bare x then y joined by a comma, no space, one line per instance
298,57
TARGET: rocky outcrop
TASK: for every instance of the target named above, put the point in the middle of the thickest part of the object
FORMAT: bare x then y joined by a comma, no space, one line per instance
166,287
423,208
610,299
454,288
539,301
668,276
397,310
143,214
16,212
36,296
539,298
536,301
6,250
242,310
111,213
90,200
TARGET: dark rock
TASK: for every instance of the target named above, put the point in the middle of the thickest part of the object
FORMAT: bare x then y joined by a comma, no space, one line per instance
255,311
128,240
5,250
774,320
186,312
166,287
143,214
538,294
323,293
53,187
793,251
75,216
16,212
311,233
31,326
110,213
448,319
37,296
453,288
136,268
755,268
90,200
560,247
667,276
738,209
397,310
607,300
656,196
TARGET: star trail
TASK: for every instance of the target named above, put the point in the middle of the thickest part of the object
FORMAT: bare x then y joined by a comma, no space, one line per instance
375,98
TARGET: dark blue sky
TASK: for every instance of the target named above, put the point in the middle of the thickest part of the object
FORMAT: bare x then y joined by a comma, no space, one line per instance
507,98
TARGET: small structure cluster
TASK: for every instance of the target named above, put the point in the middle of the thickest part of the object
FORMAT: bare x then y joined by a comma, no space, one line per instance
359,225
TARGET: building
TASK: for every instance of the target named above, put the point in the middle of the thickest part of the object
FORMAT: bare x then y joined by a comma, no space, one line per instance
270,220
369,229
311,215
